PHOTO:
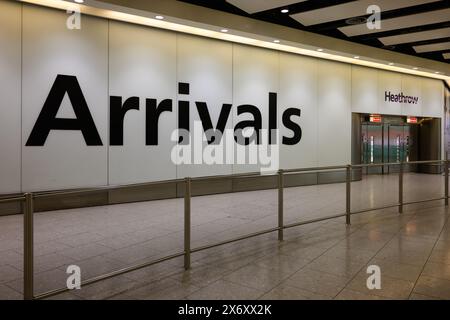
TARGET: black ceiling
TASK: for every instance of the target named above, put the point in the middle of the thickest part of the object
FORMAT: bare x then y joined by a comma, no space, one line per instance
330,28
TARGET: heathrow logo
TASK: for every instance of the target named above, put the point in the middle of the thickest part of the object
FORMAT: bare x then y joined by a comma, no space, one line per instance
400,98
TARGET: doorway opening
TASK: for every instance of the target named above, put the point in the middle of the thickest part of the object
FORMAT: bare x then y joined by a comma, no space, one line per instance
388,139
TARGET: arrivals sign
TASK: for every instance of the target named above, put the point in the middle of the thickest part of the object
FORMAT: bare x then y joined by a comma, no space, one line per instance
119,106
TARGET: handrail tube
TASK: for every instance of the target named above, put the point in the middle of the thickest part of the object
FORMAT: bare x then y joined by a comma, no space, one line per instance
251,235
400,188
425,200
424,161
314,169
446,179
280,205
187,224
366,165
376,208
296,224
15,199
233,176
109,275
348,191
371,165
47,194
28,248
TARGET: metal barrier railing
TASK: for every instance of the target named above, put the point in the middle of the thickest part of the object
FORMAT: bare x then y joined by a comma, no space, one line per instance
27,201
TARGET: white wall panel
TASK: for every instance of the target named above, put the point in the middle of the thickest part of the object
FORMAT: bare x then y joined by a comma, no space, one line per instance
334,113
432,98
49,49
142,63
389,82
10,101
411,86
365,96
207,66
255,74
298,89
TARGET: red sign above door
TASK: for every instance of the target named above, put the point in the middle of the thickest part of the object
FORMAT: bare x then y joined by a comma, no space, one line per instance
375,118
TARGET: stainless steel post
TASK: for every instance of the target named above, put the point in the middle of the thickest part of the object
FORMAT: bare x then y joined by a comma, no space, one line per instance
446,179
280,205
400,189
187,224
28,281
348,194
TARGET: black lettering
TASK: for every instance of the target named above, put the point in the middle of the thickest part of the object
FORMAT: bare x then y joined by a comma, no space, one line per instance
294,127
205,117
47,120
272,117
153,111
256,123
183,112
117,115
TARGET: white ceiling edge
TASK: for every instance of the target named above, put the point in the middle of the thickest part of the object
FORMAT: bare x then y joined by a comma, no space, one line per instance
350,9
141,17
441,46
416,36
253,6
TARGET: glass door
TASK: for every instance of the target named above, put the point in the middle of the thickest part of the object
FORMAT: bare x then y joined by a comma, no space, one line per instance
372,146
396,145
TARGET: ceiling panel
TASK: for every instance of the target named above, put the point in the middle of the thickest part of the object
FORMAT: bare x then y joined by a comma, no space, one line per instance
253,6
351,9
416,36
404,23
433,47
400,23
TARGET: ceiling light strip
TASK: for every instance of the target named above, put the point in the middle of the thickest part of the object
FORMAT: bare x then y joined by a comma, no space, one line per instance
147,19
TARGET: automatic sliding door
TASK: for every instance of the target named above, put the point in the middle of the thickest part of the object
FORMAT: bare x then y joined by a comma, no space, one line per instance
396,148
372,136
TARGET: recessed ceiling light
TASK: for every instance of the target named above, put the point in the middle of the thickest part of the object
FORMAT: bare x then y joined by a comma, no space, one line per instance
224,30
79,1
285,11
276,41
415,68
437,72
320,49
356,20
159,17
356,57
391,63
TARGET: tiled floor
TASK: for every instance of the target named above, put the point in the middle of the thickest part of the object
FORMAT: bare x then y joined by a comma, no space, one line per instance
326,260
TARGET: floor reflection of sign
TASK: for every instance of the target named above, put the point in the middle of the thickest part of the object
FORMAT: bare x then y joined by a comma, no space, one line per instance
407,149
371,149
